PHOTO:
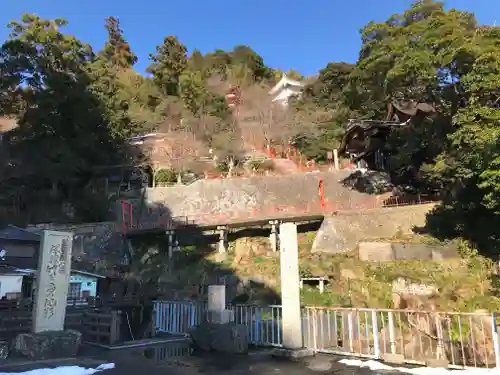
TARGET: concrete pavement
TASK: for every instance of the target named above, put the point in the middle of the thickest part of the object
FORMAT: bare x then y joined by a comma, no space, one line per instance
145,361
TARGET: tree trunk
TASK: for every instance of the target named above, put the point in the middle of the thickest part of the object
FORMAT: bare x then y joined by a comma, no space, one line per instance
54,189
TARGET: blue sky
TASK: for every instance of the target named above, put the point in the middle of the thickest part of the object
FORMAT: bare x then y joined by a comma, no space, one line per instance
303,35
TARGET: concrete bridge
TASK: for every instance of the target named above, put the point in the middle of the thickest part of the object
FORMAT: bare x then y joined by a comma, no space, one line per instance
213,210
238,199
185,234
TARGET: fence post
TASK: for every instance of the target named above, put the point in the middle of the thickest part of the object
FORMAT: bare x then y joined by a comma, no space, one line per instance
376,342
494,329
440,344
350,331
114,332
315,330
392,332
154,315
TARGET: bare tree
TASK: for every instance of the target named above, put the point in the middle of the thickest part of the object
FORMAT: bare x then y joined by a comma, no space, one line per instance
263,122
177,150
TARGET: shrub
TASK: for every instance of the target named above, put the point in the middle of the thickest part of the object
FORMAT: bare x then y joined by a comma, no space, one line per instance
166,176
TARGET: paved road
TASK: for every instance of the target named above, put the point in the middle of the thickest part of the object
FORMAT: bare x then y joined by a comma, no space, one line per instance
134,362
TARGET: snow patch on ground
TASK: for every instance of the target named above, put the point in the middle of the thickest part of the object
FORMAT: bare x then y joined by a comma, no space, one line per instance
377,366
65,370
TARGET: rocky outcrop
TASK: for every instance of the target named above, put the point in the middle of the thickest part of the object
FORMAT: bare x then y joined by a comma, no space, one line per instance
433,335
409,295
97,247
342,232
247,247
224,338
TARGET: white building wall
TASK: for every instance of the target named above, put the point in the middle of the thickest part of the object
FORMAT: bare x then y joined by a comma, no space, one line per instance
10,284
283,95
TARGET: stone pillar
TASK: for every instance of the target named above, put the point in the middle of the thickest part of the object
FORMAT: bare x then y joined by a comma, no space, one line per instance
290,293
222,239
321,285
217,312
170,243
216,297
273,237
52,281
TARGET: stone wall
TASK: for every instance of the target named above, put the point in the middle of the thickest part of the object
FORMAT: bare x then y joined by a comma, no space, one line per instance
387,251
343,231
237,197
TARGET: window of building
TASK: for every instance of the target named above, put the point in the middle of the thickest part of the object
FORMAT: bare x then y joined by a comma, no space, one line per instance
74,290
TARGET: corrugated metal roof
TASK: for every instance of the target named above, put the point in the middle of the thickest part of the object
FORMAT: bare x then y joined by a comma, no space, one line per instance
88,274
11,232
10,270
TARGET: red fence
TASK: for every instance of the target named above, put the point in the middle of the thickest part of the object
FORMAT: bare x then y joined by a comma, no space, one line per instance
320,207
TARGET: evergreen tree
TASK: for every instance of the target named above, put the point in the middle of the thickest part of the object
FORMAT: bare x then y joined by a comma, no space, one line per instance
117,50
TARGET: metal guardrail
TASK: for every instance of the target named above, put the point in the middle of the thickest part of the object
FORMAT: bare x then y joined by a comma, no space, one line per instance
178,317
463,340
263,323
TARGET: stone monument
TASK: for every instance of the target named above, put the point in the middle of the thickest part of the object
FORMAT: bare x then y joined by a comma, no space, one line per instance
217,312
219,332
52,281
48,338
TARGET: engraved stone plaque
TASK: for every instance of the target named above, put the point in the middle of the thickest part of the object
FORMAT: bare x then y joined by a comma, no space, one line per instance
52,281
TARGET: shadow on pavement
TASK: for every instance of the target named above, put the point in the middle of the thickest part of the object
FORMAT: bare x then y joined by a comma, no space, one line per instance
176,359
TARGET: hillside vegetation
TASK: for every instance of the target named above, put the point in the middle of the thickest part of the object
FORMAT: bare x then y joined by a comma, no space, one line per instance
76,106
464,284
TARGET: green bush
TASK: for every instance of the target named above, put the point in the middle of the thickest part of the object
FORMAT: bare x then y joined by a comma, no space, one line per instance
222,167
261,165
166,176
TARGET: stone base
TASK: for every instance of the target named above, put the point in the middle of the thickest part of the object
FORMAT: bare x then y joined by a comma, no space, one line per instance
292,354
48,344
436,363
220,317
397,359
222,338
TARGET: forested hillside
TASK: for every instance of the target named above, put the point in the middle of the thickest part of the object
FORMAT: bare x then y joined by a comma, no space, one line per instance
76,105
448,59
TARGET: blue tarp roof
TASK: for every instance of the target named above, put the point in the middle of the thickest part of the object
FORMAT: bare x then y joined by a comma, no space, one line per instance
11,232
